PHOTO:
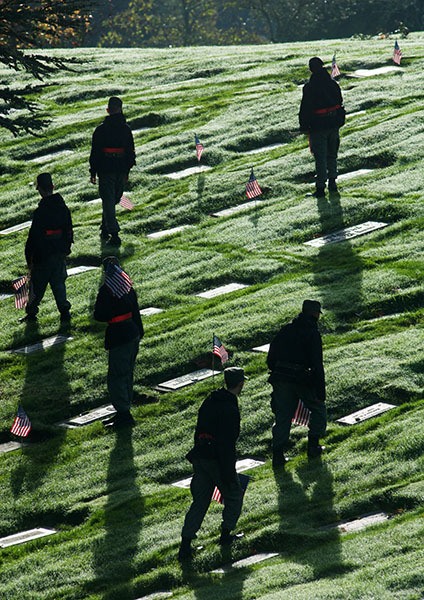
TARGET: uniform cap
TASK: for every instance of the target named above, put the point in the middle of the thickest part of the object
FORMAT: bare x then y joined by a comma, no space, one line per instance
315,64
44,181
233,376
311,307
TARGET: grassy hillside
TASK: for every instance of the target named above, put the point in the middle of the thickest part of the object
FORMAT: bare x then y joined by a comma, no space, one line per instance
109,495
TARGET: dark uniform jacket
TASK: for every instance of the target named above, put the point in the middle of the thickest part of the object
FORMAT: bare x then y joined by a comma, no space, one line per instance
112,147
109,307
217,431
320,95
295,354
50,232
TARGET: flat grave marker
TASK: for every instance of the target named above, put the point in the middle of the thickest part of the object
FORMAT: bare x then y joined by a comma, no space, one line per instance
184,380
345,234
188,172
165,232
151,310
223,289
10,447
264,348
356,113
353,174
46,157
95,201
358,524
80,269
264,149
103,412
246,562
156,596
227,212
378,71
366,413
25,536
5,296
15,228
241,465
47,343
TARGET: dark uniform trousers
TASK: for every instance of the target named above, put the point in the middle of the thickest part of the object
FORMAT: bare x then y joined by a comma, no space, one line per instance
121,374
284,400
51,271
325,146
206,476
111,188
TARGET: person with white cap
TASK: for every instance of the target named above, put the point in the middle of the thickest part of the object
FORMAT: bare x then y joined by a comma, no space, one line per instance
214,462
297,373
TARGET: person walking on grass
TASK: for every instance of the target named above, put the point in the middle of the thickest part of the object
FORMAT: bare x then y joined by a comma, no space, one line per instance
321,115
49,242
117,305
214,462
112,156
297,373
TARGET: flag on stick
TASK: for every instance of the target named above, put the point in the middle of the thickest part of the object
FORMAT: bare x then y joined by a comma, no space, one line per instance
21,289
302,415
252,187
219,349
397,54
117,281
335,71
21,425
125,202
199,147
244,480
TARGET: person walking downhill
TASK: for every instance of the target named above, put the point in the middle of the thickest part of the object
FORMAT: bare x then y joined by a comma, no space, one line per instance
297,373
49,242
321,115
111,158
117,305
214,462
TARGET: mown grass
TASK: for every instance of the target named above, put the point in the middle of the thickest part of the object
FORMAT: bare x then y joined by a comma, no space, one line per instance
108,495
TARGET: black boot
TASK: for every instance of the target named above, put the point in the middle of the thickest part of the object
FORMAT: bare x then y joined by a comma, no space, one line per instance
227,538
332,185
278,458
185,552
314,448
319,192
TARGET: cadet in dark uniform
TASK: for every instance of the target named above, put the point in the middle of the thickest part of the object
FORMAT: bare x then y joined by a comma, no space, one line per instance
117,304
49,241
297,373
214,461
112,156
321,115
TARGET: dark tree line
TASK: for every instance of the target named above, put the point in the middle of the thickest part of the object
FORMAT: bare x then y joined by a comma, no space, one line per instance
197,22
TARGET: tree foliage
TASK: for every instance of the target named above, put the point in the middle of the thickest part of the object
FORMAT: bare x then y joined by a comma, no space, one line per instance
23,26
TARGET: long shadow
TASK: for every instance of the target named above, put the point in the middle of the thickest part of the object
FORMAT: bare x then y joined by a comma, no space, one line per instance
337,268
45,398
113,555
305,504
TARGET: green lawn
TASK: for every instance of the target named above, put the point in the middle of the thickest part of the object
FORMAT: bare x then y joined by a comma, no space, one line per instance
109,495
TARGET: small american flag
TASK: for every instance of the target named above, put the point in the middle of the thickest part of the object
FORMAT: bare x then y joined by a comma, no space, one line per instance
21,289
117,281
125,202
21,425
219,349
335,71
397,53
244,480
199,147
302,415
252,187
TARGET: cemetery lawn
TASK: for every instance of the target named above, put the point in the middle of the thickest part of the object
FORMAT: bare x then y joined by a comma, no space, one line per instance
109,495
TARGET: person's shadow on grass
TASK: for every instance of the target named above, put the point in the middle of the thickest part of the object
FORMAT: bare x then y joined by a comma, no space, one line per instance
45,397
305,504
114,554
